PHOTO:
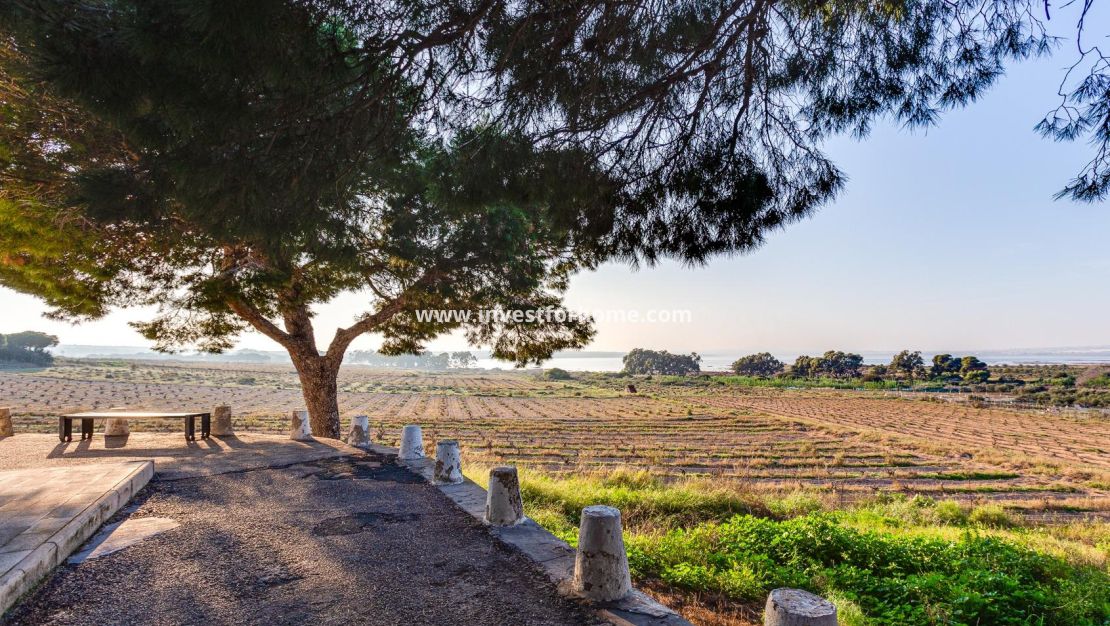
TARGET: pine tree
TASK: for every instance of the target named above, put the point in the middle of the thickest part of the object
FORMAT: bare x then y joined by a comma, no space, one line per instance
237,163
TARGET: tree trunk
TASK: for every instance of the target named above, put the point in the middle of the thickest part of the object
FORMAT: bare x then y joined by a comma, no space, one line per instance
318,384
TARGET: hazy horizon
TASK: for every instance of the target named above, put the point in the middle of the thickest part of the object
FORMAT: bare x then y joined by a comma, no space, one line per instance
599,360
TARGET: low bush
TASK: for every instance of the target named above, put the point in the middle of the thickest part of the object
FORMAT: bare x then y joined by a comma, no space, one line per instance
557,374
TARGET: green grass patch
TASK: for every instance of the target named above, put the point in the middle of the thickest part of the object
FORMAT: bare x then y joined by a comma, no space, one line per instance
804,383
891,561
967,475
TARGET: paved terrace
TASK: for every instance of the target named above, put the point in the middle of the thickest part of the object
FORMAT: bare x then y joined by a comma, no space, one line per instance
259,529
173,457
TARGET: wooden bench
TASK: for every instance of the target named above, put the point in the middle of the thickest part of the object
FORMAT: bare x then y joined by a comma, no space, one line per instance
65,422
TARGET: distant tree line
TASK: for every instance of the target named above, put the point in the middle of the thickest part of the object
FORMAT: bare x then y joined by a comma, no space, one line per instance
906,365
424,360
641,361
27,347
833,364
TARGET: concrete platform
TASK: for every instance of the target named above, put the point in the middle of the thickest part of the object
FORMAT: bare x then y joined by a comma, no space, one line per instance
46,513
54,496
173,457
351,540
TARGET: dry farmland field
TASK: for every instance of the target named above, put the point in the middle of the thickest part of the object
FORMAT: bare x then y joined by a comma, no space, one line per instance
846,445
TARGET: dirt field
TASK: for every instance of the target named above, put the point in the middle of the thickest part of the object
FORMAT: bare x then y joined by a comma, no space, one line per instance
850,444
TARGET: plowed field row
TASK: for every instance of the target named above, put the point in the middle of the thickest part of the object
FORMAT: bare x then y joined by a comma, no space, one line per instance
772,439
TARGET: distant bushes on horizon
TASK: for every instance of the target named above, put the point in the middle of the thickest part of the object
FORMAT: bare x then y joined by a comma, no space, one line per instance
641,361
27,347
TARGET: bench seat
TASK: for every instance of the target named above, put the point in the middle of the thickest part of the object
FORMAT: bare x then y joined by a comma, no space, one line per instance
65,422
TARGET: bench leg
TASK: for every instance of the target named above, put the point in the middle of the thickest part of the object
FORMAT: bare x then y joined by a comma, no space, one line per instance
190,428
86,429
65,429
205,425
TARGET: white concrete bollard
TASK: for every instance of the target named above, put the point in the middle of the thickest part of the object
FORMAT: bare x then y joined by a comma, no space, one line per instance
794,607
412,443
300,428
503,504
6,429
601,565
221,421
359,435
448,462
116,427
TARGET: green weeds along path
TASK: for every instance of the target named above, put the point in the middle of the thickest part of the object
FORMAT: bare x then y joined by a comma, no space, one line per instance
893,561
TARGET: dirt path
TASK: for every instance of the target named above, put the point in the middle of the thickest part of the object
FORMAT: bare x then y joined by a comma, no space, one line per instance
340,541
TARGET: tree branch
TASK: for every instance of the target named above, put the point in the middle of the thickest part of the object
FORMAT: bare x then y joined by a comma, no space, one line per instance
344,336
255,318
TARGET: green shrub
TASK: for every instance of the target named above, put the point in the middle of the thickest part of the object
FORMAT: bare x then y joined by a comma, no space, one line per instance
795,504
557,374
1102,382
991,516
950,513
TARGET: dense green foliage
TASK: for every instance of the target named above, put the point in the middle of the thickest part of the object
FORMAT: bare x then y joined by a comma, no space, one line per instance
641,361
834,364
908,364
896,561
944,365
846,370
894,580
762,364
27,347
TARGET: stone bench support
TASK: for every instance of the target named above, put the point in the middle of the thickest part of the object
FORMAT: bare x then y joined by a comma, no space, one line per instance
221,421
6,429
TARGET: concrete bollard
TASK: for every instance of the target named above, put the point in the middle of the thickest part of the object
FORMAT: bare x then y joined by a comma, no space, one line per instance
221,421
116,427
300,428
359,435
794,607
601,565
503,504
6,429
412,443
448,462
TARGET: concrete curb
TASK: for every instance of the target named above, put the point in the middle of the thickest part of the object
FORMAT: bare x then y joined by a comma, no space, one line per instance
553,555
36,565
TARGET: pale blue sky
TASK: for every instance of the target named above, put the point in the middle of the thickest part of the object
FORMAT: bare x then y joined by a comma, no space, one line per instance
945,240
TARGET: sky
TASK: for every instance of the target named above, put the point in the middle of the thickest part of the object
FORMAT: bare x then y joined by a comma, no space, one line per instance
945,240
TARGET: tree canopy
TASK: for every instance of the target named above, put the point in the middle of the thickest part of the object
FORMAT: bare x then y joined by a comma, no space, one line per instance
834,364
641,361
28,346
762,364
909,364
238,163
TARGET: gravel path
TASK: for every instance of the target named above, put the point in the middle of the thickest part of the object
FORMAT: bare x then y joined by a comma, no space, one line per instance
341,541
